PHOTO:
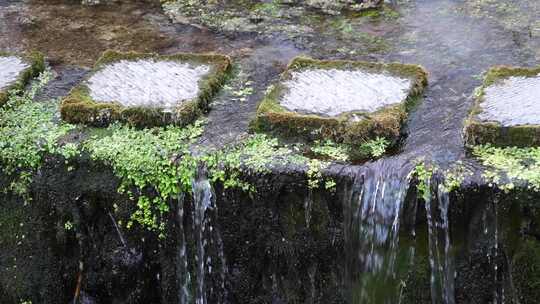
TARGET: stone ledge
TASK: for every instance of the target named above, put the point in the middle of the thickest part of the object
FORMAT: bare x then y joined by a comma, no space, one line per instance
350,127
22,69
505,109
81,106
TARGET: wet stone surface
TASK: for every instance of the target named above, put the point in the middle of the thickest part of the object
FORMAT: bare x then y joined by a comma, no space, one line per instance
334,92
512,102
147,83
10,69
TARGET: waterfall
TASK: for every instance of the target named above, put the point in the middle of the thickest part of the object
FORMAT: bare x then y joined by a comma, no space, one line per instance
372,218
202,201
210,264
182,272
440,258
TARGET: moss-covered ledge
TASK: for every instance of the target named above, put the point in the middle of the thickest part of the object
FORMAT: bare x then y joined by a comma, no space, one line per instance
352,127
36,64
478,131
79,107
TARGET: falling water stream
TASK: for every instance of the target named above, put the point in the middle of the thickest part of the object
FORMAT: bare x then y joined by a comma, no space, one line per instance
208,244
442,272
372,231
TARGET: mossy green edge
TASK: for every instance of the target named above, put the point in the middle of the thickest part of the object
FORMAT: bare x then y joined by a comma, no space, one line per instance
273,118
79,108
477,132
36,61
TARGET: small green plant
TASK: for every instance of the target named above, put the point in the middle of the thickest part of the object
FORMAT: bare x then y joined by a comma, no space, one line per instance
331,150
68,226
375,147
423,174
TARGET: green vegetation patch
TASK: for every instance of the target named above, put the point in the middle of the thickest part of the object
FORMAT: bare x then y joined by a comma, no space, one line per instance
384,124
28,132
36,64
79,107
510,166
480,132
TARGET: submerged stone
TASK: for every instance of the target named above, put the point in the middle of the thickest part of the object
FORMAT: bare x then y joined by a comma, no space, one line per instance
147,83
334,92
146,89
507,109
11,68
16,71
344,101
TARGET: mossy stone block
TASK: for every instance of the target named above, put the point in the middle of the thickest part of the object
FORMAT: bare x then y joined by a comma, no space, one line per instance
17,70
506,110
146,90
344,101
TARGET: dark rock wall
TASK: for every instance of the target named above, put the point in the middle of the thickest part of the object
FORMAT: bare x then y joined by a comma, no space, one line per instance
262,247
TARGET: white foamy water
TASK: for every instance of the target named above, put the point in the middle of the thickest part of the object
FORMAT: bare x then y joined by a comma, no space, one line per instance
513,101
333,92
10,69
149,83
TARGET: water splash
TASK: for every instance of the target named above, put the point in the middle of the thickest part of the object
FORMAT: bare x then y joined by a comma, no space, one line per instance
372,227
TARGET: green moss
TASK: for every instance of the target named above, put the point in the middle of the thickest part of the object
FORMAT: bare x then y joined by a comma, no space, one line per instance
385,123
37,65
78,107
526,272
477,132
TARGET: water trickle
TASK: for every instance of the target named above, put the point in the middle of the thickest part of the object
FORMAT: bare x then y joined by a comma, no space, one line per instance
440,257
211,268
182,273
120,236
308,206
372,214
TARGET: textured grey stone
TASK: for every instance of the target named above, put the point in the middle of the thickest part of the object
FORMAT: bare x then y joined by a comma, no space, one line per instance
333,92
149,83
513,101
10,69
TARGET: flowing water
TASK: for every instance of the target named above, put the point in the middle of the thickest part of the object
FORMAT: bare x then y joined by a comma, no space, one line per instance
452,39
373,213
440,259
208,244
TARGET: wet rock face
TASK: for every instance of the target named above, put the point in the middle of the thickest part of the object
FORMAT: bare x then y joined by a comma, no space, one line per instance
512,102
147,83
10,69
334,92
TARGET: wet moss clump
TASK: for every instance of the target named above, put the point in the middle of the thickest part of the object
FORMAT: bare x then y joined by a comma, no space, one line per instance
346,128
479,132
79,107
36,63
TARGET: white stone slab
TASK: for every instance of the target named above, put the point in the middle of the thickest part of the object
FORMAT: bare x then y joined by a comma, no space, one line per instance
10,69
333,92
512,102
149,83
